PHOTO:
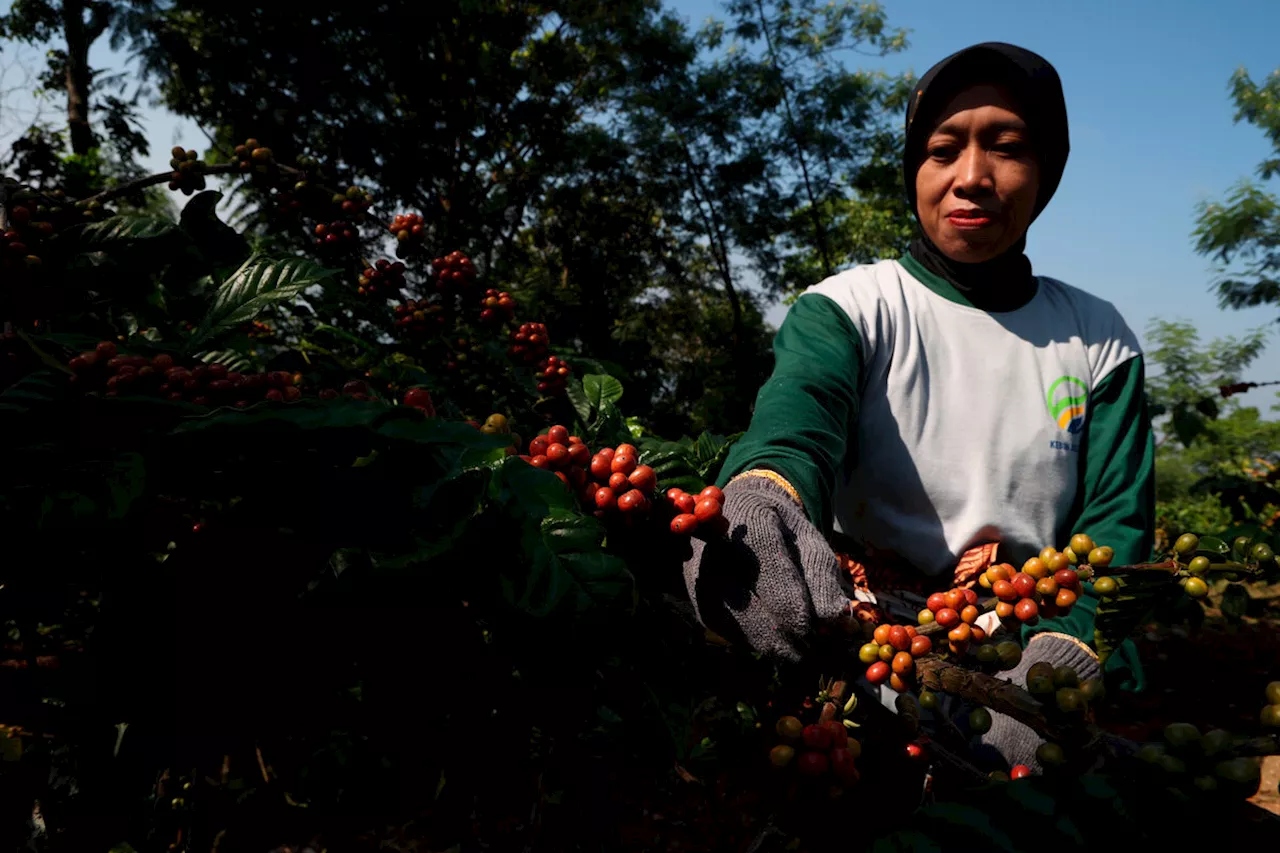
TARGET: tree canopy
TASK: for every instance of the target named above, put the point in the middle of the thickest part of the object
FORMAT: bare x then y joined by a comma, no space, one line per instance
1242,231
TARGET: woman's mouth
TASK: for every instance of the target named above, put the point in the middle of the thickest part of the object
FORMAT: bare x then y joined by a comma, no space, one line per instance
969,220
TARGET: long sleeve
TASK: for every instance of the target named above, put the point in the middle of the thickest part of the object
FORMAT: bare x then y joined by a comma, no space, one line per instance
806,412
1118,487
1116,504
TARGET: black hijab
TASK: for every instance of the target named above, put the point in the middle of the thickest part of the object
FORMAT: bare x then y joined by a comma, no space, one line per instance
1005,282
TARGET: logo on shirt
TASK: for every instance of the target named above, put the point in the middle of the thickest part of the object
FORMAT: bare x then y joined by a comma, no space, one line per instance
1066,402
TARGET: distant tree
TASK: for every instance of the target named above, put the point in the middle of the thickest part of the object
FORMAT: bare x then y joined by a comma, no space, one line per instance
102,137
1209,444
1242,232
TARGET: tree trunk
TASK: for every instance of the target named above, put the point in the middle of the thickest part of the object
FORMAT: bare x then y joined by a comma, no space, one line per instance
78,75
819,230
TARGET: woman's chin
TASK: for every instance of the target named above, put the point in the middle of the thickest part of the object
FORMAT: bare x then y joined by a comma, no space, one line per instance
972,248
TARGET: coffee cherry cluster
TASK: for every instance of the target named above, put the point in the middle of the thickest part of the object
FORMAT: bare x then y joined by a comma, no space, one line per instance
822,750
1048,585
251,156
188,171
337,236
1216,766
529,342
23,232
14,251
420,398
572,460
419,317
93,209
1193,566
353,203
611,480
1271,712
553,375
891,655
356,389
957,612
287,203
1061,690
496,307
384,279
454,273
704,510
104,369
258,330
996,656
410,231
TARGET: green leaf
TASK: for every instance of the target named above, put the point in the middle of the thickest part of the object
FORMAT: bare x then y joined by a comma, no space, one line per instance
89,493
1235,602
229,358
260,282
529,491
1098,788
709,468
125,228
578,397
48,360
601,389
1212,545
608,427
964,825
673,464
1141,592
569,572
707,446
32,391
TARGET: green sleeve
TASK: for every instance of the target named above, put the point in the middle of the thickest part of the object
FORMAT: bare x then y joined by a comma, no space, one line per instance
1118,485
805,414
1116,498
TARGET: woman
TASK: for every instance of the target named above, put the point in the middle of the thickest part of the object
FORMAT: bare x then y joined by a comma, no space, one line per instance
937,408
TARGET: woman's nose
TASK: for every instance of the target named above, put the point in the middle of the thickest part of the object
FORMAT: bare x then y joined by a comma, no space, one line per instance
973,172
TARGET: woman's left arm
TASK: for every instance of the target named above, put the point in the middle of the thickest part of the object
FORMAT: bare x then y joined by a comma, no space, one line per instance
1118,469
1116,506
1116,499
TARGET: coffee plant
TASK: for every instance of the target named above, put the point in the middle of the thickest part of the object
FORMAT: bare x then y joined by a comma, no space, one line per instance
348,551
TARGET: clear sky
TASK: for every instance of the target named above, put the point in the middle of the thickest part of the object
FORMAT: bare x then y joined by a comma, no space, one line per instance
1151,128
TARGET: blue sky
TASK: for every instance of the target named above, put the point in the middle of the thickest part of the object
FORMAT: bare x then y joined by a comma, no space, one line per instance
1151,125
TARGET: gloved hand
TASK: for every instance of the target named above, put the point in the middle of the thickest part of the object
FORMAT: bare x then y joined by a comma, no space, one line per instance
773,580
1016,742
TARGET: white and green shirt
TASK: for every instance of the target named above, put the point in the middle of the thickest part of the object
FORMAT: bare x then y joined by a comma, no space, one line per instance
916,423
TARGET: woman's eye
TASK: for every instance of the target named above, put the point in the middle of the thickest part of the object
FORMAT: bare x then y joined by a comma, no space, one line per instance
1012,149
942,152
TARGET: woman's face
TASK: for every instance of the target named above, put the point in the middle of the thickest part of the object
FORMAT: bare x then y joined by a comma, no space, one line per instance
976,187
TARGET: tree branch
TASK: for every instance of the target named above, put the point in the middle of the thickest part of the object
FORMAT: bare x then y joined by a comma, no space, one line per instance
99,20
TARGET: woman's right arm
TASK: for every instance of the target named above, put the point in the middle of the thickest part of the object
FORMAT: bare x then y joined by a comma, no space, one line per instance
806,414
772,580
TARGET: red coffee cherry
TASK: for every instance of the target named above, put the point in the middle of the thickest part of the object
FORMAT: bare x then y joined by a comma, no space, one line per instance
707,510
684,524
